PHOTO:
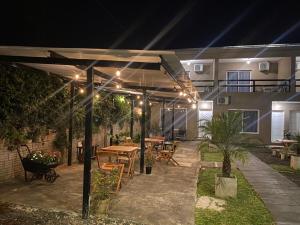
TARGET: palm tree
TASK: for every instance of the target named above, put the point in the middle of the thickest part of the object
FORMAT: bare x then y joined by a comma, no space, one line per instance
225,132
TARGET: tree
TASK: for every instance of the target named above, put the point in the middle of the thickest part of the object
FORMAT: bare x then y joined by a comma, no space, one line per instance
225,132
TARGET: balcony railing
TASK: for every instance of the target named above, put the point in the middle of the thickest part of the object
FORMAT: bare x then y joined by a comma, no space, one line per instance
252,85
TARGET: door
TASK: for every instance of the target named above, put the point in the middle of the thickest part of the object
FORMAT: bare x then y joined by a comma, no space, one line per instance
277,125
204,116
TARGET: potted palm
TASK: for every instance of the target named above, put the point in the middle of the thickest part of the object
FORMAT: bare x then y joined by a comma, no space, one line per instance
295,159
225,132
149,160
103,185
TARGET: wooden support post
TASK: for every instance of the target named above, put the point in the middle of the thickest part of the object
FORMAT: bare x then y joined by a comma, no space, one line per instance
131,117
143,131
70,138
88,144
163,119
173,121
293,75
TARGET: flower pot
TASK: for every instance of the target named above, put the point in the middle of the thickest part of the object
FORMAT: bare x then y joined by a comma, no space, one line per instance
295,162
225,186
148,169
101,207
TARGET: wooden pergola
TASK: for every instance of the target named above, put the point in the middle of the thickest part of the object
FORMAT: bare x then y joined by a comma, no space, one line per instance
156,75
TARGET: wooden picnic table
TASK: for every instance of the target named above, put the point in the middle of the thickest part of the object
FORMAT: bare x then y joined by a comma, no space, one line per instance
129,151
286,143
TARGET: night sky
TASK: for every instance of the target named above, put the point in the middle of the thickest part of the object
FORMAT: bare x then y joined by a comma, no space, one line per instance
148,24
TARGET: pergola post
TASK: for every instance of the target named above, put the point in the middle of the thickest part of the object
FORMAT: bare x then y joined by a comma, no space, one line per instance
173,121
131,117
143,131
88,143
70,145
163,119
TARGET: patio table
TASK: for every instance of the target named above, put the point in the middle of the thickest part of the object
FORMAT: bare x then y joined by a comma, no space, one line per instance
286,143
129,151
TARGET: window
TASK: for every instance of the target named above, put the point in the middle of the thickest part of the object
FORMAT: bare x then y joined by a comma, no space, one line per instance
250,121
179,118
238,79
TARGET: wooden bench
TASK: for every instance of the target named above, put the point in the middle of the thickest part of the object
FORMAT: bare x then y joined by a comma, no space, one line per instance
275,149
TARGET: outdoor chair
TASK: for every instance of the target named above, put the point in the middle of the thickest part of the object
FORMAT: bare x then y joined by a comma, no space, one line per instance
108,165
168,153
128,160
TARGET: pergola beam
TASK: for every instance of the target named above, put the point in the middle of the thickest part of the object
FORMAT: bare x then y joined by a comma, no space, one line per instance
77,62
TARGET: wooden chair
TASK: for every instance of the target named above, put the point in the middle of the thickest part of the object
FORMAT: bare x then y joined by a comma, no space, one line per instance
128,159
167,154
108,165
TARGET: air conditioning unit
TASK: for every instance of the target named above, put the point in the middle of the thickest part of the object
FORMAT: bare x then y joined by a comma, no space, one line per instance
264,66
297,65
198,67
223,100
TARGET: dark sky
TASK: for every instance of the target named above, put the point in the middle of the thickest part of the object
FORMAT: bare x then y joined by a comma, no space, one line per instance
148,24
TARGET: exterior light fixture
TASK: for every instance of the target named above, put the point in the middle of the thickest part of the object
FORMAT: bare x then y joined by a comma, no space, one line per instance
118,86
76,76
150,103
248,61
189,63
97,96
194,106
118,73
138,97
141,102
81,91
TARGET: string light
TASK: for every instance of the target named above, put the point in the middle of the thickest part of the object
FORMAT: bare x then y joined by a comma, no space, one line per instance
184,94
194,106
189,100
76,76
81,91
138,97
97,96
141,102
118,86
180,93
178,106
118,73
150,103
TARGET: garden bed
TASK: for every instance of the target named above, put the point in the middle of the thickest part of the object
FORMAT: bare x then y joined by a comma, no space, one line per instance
282,166
246,209
12,214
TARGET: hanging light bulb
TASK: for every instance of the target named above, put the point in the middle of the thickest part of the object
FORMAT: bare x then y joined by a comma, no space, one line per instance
150,103
141,102
189,100
118,86
184,94
118,73
180,93
194,106
81,91
97,96
138,97
76,76
178,106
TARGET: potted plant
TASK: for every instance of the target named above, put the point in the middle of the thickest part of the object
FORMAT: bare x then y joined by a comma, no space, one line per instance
103,185
295,159
225,132
149,160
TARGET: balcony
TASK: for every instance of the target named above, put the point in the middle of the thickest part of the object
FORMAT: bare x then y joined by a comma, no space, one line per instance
245,86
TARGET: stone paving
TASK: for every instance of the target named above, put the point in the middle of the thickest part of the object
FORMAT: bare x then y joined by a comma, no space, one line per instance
166,197
281,196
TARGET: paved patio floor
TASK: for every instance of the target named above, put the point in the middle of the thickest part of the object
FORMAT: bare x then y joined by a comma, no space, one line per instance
165,197
281,196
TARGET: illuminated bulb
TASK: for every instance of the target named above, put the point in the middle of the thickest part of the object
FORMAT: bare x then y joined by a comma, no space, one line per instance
184,94
97,96
189,100
118,73
76,77
118,86
141,102
248,61
189,63
138,97
178,106
181,93
81,91
194,106
150,103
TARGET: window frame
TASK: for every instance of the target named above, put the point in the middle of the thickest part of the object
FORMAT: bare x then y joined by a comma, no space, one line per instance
186,120
238,80
249,110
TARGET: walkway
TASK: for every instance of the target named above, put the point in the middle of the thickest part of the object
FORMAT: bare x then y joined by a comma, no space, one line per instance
165,197
281,196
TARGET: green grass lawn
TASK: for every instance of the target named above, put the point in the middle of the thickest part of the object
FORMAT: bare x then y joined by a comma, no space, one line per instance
212,156
246,209
284,169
